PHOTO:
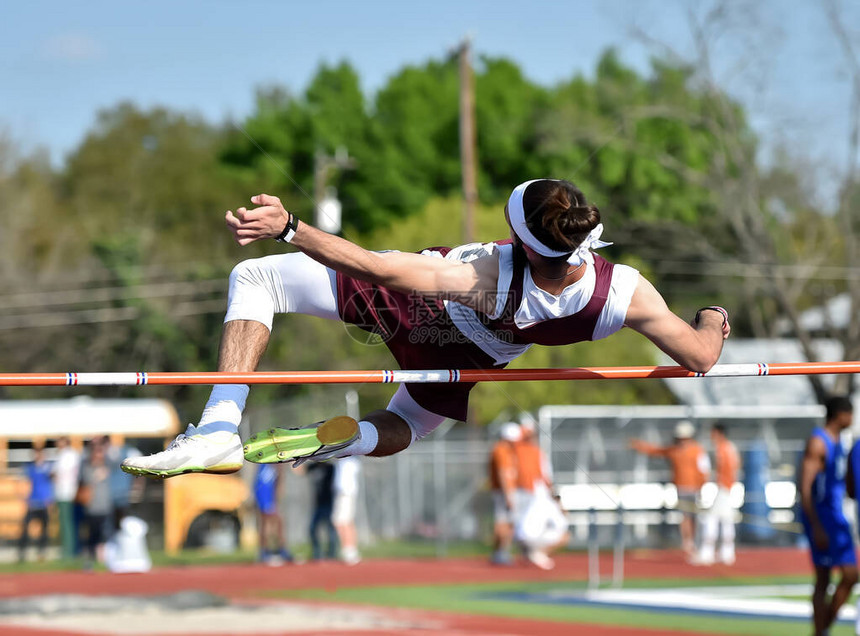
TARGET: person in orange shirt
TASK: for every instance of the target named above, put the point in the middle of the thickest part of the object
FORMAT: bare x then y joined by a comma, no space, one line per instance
503,474
690,468
721,515
541,526
533,470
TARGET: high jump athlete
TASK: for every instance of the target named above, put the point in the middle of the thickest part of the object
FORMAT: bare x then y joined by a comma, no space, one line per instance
475,306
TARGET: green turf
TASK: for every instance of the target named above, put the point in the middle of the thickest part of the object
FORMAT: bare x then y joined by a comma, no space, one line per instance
159,559
416,549
471,599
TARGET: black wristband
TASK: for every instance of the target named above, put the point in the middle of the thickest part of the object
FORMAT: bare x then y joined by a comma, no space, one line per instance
289,230
717,309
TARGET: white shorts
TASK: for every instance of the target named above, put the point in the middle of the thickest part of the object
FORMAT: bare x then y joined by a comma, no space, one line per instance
523,499
722,508
542,524
343,512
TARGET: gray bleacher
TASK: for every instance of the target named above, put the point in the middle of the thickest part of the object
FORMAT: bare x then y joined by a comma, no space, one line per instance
599,474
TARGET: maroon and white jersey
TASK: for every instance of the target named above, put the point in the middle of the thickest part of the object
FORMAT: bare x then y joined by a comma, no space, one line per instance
424,332
592,308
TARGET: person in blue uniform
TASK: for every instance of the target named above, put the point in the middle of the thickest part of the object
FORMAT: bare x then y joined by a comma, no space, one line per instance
38,502
822,491
267,491
852,488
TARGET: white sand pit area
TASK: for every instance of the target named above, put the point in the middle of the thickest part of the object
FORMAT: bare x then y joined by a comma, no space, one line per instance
187,613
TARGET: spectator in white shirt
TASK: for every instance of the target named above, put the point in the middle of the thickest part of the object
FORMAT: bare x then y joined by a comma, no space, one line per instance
343,514
67,467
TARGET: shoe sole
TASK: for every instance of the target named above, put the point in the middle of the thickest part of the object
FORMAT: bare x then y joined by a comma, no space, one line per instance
220,469
286,444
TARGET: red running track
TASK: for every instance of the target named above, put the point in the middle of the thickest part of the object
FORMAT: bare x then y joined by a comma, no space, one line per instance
250,581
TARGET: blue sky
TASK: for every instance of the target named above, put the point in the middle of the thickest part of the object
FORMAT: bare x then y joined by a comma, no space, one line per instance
60,62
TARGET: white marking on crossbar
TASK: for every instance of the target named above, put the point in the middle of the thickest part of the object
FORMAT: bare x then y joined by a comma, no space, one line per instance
107,379
422,376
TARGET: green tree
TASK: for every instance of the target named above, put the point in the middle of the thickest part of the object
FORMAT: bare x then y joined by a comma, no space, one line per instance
153,174
776,252
135,222
507,108
274,149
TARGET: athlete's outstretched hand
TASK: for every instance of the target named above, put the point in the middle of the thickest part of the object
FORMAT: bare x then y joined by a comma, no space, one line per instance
266,221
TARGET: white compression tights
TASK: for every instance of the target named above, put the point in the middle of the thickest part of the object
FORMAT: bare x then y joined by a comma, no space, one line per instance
282,284
291,283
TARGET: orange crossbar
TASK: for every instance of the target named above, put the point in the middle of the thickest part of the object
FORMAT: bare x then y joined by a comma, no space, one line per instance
442,376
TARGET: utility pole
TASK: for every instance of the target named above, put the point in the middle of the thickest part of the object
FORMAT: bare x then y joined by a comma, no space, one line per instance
468,149
326,206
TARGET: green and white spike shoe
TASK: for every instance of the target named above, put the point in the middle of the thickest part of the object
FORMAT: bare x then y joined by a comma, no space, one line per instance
319,441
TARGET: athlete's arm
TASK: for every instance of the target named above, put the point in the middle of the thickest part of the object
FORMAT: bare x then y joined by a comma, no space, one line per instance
467,283
850,485
696,347
812,464
645,448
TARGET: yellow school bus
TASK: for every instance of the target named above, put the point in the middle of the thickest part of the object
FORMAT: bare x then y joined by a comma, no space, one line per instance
149,423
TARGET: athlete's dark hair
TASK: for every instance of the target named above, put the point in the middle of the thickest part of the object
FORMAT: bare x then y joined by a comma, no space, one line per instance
836,405
558,215
721,428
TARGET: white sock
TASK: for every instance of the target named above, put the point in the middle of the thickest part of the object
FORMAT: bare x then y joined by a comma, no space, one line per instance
366,444
223,411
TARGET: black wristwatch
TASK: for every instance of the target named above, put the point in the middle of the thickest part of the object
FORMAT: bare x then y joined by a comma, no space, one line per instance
289,230
717,309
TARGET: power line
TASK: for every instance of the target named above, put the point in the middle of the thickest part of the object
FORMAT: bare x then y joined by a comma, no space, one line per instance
105,315
756,270
108,294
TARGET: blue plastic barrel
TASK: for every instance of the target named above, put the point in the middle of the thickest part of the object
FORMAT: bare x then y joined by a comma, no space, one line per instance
755,527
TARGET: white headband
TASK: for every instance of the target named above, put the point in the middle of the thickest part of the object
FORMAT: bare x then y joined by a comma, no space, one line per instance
517,216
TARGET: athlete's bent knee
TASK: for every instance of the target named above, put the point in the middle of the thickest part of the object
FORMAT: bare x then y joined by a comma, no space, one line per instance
420,421
393,432
254,293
